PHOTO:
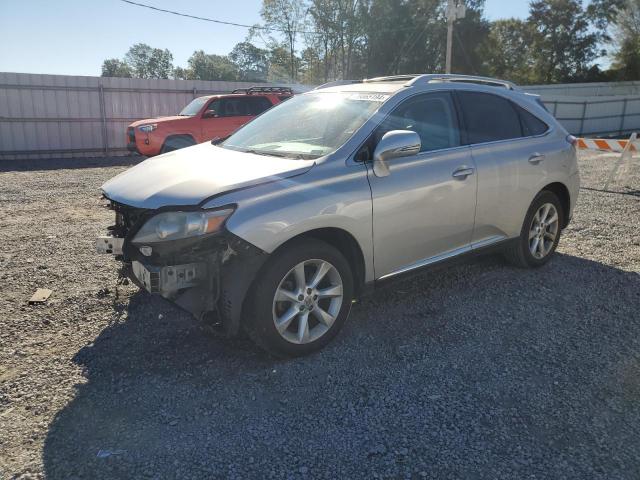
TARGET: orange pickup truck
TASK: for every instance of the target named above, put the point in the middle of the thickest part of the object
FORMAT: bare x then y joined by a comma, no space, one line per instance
205,118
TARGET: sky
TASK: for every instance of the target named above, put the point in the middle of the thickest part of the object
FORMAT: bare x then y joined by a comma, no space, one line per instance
73,37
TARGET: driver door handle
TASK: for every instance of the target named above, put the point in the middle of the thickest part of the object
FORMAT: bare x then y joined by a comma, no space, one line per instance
536,158
462,173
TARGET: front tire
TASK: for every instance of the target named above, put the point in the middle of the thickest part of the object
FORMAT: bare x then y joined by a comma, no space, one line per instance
300,300
540,232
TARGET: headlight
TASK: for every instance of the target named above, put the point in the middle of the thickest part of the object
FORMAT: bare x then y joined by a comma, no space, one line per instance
177,225
147,128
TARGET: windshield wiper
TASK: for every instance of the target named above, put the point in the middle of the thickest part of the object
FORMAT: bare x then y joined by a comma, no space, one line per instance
266,153
270,153
218,140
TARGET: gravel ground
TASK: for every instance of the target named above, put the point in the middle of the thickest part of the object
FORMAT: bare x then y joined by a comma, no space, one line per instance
477,371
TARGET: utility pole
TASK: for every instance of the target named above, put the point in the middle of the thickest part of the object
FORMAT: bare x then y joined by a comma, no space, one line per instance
455,9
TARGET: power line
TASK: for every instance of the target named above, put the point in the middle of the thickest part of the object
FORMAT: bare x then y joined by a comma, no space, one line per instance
255,27
212,20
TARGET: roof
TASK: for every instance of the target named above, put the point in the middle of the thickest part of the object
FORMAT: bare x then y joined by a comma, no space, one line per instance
394,83
378,87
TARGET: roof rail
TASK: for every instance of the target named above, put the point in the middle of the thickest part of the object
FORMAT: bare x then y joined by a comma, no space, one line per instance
415,78
337,83
393,78
435,78
250,90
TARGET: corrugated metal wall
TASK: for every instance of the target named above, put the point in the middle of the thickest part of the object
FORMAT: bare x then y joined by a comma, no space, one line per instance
596,116
59,116
602,89
593,109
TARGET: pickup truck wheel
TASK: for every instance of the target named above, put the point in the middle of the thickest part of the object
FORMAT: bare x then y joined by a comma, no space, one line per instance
540,232
176,143
301,299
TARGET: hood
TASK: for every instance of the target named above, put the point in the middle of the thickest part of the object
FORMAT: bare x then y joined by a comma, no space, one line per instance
146,121
191,175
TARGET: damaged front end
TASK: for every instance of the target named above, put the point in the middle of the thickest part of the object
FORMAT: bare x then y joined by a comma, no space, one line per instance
187,257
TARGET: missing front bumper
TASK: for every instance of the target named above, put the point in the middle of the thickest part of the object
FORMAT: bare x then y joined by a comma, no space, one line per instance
208,276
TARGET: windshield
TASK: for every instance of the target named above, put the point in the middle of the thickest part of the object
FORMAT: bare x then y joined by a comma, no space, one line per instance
194,107
307,126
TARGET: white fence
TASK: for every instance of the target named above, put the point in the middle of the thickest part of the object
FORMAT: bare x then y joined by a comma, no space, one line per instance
58,116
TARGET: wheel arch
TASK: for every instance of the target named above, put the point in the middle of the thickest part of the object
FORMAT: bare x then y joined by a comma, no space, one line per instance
562,192
344,242
178,135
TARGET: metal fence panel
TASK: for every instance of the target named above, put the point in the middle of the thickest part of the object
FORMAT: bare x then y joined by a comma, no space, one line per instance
57,116
596,116
587,89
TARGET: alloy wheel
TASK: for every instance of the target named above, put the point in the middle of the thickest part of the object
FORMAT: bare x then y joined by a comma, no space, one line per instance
543,231
307,301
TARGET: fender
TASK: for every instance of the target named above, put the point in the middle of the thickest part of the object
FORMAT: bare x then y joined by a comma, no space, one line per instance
331,193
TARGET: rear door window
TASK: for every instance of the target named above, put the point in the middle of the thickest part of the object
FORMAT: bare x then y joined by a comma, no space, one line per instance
236,107
489,118
432,116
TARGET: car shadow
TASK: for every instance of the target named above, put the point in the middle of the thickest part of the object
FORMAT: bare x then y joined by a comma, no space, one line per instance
484,361
68,163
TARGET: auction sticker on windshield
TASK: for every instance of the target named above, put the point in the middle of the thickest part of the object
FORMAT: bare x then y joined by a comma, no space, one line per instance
370,97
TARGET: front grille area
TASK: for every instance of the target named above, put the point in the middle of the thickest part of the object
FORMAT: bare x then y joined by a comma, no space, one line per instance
126,218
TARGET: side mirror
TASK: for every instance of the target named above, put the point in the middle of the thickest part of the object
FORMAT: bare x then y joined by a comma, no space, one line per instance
210,114
394,144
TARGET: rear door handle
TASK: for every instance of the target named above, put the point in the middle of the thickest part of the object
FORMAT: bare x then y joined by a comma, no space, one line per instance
463,172
536,158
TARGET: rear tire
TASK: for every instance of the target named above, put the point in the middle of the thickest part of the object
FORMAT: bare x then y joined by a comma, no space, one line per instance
176,143
300,299
540,232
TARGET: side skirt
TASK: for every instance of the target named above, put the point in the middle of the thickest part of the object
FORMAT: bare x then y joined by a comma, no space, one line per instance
437,264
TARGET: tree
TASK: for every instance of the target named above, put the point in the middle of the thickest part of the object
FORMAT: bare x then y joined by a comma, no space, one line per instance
205,66
311,70
147,62
627,31
470,33
321,40
507,50
387,27
563,45
408,36
321,46
251,62
180,73
112,67
287,17
279,64
424,47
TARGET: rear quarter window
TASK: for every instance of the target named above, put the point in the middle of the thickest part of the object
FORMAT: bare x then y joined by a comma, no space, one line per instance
531,125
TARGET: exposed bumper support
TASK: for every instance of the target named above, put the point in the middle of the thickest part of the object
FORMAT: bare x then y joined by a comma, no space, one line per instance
169,280
110,245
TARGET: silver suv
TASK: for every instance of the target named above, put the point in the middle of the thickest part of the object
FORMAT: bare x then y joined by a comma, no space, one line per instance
278,228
